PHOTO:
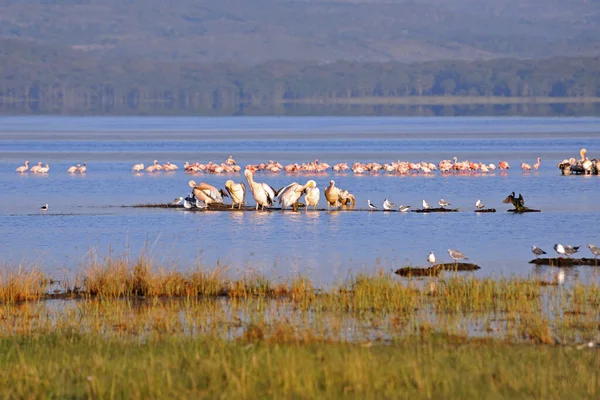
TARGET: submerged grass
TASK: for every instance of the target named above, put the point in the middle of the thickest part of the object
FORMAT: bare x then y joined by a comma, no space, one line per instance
139,330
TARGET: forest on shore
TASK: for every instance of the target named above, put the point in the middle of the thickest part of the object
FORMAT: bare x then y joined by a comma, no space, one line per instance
39,78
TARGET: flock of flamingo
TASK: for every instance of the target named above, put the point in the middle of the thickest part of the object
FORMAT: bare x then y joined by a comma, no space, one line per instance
394,167
40,169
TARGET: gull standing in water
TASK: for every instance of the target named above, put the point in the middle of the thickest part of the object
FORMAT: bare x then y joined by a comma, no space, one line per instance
371,206
404,209
443,203
388,205
426,205
479,204
595,250
456,255
537,251
431,258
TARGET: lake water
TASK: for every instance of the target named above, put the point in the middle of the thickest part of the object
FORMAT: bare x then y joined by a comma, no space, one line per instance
86,217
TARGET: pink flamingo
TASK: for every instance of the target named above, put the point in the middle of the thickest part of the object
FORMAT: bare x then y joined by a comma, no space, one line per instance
36,168
138,167
526,167
23,168
536,166
72,169
82,169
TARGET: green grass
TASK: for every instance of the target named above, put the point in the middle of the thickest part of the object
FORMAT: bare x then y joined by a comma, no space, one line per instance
132,329
77,366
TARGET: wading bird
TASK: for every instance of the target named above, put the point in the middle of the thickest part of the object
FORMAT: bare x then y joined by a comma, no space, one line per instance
595,250
237,192
537,251
207,193
23,168
388,205
332,195
264,195
443,203
479,204
425,205
312,197
289,195
137,167
456,255
371,206
431,258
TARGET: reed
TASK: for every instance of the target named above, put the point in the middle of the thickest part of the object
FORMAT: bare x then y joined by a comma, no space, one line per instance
19,284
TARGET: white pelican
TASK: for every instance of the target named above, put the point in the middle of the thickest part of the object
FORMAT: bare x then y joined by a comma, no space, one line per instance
346,197
263,194
312,197
431,258
479,204
404,209
289,195
138,167
443,203
371,206
44,207
23,168
332,194
537,251
456,255
426,205
207,193
388,205
72,169
237,192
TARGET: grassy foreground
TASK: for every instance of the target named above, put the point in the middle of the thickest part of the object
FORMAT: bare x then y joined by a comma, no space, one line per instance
131,329
63,366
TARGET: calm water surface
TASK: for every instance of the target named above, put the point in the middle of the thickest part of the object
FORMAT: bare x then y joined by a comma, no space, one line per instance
86,216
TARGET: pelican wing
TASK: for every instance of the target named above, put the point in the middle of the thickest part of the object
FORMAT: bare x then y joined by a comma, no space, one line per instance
270,192
286,191
210,191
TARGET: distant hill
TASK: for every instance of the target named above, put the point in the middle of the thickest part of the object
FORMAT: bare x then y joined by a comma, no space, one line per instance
250,32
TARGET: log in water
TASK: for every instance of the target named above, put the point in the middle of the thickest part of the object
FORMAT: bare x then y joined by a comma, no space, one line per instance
436,269
486,210
439,209
565,262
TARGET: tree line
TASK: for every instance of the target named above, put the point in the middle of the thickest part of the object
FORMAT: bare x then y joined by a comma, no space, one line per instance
42,79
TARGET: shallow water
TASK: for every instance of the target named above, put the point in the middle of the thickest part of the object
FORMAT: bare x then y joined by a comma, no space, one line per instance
86,216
